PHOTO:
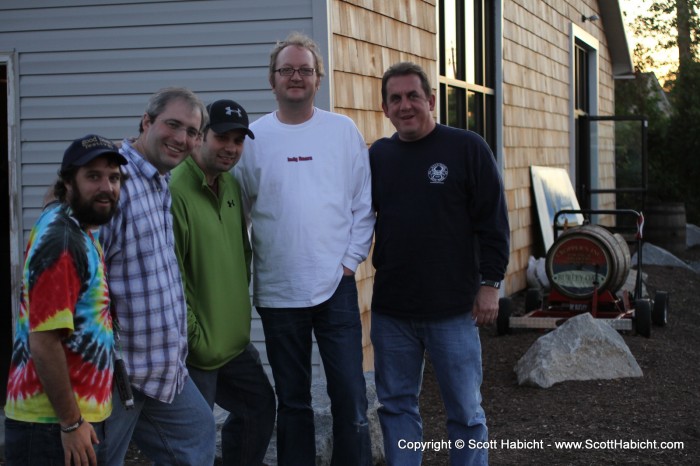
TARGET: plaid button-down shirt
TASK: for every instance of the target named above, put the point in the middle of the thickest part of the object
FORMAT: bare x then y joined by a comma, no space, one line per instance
144,281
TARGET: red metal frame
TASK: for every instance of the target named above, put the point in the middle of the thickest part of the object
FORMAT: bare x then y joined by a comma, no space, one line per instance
604,305
601,305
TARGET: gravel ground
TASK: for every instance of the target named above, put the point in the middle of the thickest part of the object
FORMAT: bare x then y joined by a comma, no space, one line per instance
661,406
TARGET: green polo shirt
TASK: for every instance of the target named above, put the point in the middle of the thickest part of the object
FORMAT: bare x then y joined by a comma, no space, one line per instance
213,251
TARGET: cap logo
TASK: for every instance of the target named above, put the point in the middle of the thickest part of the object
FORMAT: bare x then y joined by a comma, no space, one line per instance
229,111
95,141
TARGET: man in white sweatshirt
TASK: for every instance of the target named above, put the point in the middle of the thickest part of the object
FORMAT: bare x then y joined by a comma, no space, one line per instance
306,189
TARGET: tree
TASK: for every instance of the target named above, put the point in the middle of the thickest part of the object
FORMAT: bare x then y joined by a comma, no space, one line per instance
683,137
674,143
641,96
671,24
687,27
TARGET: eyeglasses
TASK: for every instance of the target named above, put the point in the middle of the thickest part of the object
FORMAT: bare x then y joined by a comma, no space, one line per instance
175,126
290,71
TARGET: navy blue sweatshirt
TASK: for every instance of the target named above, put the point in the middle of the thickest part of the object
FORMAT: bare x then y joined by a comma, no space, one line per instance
442,223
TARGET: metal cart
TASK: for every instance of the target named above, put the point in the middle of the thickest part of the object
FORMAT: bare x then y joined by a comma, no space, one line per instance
586,268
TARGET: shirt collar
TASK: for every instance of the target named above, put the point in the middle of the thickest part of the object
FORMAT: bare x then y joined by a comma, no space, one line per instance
138,162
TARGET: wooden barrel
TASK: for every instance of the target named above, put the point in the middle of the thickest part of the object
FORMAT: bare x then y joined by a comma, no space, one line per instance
665,226
583,258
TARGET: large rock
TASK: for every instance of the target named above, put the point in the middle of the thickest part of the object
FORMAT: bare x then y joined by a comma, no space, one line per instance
583,348
324,421
692,235
654,255
324,425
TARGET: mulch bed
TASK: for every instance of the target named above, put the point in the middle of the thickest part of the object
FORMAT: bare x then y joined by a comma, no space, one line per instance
606,416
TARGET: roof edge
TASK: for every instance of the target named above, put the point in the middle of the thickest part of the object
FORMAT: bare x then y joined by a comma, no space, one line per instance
616,35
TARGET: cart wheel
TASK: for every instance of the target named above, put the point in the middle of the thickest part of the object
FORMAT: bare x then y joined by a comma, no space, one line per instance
659,313
642,317
503,320
533,300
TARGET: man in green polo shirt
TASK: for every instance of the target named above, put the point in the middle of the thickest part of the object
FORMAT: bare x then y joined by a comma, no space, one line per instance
213,251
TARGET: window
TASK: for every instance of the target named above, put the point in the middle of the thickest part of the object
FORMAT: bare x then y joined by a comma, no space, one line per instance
582,81
584,133
467,66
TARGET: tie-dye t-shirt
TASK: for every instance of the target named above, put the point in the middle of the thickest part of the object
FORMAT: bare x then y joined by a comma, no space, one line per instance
64,286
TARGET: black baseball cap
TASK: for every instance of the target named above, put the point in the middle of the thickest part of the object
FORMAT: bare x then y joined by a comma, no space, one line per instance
84,150
226,115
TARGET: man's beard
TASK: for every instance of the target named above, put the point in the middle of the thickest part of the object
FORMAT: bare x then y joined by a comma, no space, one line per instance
84,211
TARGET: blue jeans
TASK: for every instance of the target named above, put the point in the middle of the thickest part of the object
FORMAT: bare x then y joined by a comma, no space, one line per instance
242,388
336,324
37,444
454,349
177,433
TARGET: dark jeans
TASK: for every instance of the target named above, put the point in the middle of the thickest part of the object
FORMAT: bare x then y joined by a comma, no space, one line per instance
36,444
336,324
242,388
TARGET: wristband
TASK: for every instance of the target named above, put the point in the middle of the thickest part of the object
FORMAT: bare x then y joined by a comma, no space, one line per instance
73,427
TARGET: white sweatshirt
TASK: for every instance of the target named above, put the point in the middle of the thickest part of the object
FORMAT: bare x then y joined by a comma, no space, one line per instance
307,193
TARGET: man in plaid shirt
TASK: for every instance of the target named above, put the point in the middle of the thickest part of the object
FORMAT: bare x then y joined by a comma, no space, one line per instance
171,422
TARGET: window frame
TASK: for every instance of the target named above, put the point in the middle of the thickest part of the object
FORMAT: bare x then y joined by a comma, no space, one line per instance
479,106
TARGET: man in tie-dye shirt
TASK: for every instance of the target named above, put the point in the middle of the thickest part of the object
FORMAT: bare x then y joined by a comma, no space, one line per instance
60,383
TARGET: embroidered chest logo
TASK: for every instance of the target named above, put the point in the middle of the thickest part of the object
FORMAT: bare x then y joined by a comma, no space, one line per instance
437,173
231,203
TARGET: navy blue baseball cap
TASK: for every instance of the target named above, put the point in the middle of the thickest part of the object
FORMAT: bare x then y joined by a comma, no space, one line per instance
84,150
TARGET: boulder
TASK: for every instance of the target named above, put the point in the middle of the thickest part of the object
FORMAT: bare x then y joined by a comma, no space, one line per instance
582,348
692,235
654,255
324,421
